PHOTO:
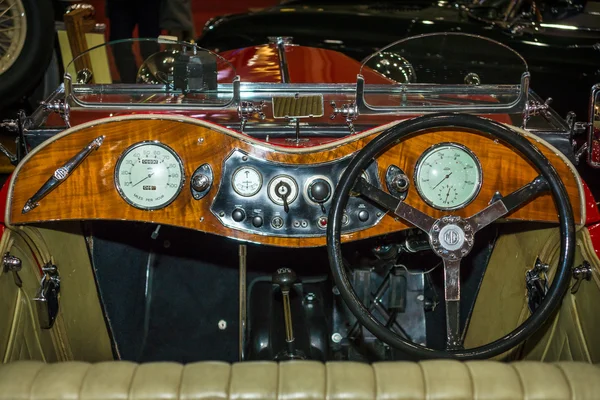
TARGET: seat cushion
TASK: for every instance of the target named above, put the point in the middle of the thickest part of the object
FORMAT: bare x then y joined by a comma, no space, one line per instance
297,380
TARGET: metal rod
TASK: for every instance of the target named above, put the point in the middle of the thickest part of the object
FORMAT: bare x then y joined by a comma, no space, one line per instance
242,293
287,315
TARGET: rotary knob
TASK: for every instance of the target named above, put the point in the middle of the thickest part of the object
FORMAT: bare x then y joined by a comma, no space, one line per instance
200,182
319,190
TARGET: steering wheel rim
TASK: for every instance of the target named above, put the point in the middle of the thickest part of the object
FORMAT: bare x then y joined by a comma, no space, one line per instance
518,143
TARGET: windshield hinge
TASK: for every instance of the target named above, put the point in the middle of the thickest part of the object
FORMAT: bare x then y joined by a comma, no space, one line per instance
247,109
534,107
61,107
347,110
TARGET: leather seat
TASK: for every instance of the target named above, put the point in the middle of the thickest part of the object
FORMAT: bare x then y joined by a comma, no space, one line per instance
440,379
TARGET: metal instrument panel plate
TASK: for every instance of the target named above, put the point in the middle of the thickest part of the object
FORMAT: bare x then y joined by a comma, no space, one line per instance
305,217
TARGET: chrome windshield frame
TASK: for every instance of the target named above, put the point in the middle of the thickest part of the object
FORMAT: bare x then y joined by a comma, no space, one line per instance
520,91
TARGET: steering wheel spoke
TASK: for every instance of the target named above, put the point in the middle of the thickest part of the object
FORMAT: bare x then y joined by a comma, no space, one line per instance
508,204
394,205
452,297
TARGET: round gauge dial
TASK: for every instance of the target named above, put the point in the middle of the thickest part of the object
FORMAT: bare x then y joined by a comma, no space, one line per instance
246,181
149,175
448,176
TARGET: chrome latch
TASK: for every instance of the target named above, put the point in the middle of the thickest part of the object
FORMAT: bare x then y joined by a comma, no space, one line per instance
580,274
247,109
536,280
349,111
47,295
12,264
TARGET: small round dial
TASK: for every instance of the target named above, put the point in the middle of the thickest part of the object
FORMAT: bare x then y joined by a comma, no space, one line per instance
448,176
246,181
149,175
283,186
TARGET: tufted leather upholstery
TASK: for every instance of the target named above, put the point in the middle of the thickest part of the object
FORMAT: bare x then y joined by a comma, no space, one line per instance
436,380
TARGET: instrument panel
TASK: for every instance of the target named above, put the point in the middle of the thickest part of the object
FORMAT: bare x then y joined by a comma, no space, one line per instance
268,198
192,174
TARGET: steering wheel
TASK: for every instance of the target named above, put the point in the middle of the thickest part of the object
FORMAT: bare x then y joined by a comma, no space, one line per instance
463,228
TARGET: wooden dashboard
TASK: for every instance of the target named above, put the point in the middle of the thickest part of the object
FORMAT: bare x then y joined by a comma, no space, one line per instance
89,192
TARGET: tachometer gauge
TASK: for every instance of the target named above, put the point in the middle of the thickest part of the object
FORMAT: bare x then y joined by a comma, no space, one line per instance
246,181
149,175
448,176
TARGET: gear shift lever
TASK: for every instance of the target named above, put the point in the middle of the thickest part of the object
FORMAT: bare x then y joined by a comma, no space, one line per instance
285,279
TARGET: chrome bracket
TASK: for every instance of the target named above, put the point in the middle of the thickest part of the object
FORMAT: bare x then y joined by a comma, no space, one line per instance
14,160
536,280
12,264
46,299
348,111
534,107
60,107
61,174
580,274
247,109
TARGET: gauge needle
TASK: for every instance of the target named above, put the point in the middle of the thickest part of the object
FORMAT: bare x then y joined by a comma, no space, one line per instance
447,194
440,182
149,176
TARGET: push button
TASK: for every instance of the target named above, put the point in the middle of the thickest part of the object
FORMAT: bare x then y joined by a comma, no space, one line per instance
363,215
257,221
238,215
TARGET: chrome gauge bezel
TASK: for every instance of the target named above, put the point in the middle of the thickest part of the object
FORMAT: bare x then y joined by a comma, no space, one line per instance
418,169
132,148
277,200
260,177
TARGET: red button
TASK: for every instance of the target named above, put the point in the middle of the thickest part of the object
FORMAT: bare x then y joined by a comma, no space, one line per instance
323,222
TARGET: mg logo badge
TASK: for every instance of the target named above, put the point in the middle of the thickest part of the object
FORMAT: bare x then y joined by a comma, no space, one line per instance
451,237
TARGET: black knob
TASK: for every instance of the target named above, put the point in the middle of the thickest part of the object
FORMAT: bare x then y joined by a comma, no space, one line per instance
363,215
319,191
285,278
238,215
257,221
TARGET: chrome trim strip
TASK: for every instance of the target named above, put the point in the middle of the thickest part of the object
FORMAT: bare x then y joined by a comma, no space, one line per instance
283,65
591,116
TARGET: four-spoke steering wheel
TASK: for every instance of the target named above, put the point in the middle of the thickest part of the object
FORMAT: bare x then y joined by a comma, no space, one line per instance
453,247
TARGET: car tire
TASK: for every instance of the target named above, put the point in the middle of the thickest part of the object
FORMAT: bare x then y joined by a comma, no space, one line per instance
27,70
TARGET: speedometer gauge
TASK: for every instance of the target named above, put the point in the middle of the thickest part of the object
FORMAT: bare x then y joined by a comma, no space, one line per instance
149,175
448,176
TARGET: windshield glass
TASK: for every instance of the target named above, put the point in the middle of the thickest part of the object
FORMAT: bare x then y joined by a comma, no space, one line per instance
150,72
448,70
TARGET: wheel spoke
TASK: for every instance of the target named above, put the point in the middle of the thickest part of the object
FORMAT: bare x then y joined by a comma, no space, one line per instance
6,10
396,206
452,297
508,204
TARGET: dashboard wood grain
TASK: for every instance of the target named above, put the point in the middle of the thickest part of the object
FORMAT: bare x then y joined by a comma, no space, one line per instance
89,193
